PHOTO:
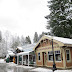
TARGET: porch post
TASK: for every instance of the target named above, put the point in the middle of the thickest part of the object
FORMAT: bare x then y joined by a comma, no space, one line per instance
22,59
25,59
32,57
17,60
35,57
28,59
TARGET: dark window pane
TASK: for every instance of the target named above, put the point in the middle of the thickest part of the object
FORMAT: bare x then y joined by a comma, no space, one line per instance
38,56
68,57
67,53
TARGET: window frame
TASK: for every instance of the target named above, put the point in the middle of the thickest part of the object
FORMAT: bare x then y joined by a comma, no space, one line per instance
38,56
50,54
69,55
60,56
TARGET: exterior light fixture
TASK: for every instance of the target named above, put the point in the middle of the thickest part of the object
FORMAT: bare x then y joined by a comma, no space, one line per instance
54,65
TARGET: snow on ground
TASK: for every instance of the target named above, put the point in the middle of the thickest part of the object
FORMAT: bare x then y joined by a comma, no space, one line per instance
10,70
24,66
2,61
37,69
11,64
40,69
63,70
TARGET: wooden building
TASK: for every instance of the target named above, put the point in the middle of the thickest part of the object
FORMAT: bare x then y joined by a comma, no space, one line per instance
62,52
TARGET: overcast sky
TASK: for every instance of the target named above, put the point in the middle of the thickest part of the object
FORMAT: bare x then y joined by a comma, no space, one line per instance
23,17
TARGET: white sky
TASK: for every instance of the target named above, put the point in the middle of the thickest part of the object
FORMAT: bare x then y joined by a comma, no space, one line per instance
23,17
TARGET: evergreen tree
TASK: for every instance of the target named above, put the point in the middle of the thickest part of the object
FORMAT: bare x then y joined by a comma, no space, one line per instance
60,18
15,42
22,40
41,35
35,37
44,33
0,36
27,40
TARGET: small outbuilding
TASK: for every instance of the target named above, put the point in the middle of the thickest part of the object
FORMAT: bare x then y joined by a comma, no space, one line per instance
10,55
62,52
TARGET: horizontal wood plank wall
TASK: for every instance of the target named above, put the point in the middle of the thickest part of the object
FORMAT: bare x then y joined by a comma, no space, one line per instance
39,62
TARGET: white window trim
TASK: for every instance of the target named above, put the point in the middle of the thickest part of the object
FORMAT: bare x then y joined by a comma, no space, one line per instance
48,58
60,56
69,56
54,57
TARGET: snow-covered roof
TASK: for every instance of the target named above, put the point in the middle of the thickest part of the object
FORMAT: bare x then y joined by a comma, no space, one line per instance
23,53
28,47
20,48
61,39
10,53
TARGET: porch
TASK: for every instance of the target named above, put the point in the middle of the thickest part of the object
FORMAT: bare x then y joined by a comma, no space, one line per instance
26,58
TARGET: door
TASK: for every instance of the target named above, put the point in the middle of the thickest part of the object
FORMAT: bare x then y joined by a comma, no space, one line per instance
44,58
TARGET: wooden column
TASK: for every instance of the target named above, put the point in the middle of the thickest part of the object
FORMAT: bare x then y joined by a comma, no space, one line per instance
22,59
25,59
28,59
17,60
32,57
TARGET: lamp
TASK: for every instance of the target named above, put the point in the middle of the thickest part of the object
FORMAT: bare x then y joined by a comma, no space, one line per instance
54,65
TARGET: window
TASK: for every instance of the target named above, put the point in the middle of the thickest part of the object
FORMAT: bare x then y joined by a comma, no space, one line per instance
38,56
50,56
67,55
57,56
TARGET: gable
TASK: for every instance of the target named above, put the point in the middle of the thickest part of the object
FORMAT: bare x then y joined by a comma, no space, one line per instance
47,41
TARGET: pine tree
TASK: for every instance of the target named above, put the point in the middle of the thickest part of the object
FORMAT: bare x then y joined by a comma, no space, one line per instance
27,40
0,36
60,18
35,37
15,42
22,40
44,33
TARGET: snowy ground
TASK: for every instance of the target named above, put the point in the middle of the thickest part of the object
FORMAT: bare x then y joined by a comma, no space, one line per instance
11,67
2,61
39,69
